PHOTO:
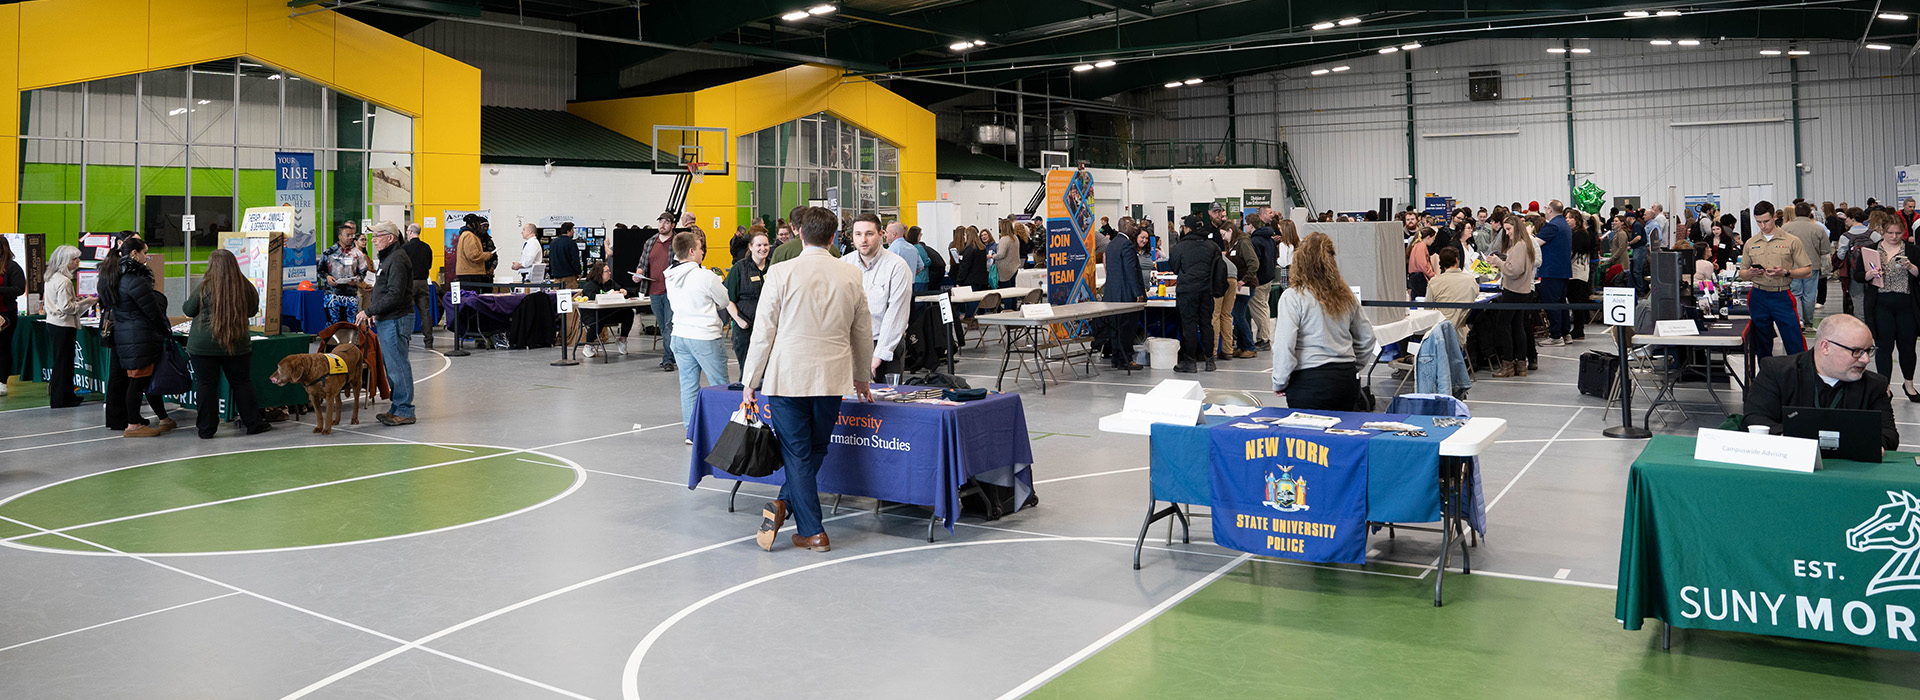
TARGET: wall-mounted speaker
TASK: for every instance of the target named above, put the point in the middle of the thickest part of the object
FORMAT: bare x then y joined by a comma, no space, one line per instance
1483,85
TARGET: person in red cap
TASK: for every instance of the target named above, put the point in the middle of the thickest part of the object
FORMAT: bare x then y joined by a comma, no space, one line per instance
1533,206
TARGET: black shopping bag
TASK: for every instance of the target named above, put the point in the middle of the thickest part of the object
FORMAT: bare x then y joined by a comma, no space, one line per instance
170,373
747,447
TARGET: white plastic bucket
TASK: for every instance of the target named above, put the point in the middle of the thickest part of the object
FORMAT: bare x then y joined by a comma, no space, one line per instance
1164,352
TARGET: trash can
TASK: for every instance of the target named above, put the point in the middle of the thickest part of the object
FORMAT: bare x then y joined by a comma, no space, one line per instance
1164,352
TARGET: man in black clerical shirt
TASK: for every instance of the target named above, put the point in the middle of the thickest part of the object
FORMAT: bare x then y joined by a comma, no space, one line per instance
1831,374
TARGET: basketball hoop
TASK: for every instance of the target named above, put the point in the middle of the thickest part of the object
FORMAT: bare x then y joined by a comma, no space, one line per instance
698,171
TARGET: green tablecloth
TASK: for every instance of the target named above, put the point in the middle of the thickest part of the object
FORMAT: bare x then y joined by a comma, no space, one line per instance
1829,556
32,358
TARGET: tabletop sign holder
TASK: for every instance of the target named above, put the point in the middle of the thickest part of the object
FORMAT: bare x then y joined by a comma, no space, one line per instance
564,309
1041,310
1679,327
1756,450
1617,309
454,301
1175,401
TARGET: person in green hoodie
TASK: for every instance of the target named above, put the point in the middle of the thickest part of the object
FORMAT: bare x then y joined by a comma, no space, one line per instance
220,343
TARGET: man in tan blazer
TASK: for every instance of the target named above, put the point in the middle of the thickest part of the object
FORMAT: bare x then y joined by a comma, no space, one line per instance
812,344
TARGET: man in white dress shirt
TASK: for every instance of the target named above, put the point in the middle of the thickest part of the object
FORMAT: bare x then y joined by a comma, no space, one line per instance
888,280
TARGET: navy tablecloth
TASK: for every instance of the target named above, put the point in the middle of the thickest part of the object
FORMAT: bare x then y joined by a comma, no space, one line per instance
303,310
901,452
1403,478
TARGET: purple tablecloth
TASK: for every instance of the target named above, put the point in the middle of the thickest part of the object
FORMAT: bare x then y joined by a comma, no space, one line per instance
901,452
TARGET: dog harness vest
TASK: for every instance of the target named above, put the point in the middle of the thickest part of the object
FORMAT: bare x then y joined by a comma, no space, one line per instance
335,365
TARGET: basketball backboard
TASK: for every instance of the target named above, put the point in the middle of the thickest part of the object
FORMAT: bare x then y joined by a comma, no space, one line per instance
1052,160
704,149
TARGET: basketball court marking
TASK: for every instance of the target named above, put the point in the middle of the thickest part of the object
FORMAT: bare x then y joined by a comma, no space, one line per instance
60,444
1086,476
55,432
579,479
296,608
1536,458
124,619
446,363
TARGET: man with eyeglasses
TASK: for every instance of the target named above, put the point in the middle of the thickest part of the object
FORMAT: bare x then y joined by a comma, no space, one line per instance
1831,375
1771,260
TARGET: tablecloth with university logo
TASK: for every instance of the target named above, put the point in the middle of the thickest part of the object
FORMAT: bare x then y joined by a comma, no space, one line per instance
900,452
1833,555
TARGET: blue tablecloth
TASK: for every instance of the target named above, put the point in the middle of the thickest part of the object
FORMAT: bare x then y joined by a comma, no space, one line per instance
303,310
901,452
1403,477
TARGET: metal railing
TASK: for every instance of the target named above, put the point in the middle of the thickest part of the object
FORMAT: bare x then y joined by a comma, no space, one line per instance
1131,154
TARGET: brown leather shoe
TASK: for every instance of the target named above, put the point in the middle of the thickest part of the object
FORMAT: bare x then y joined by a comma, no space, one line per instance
140,431
816,543
1519,368
772,516
1244,354
166,426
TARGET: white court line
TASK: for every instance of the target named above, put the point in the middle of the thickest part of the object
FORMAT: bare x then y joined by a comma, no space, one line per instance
336,482
124,619
55,432
383,436
1085,476
1587,439
1563,574
60,444
421,642
1543,579
658,481
1536,458
446,363
1111,637
290,606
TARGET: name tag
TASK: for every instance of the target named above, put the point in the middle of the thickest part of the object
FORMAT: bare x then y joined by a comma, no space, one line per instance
755,278
335,365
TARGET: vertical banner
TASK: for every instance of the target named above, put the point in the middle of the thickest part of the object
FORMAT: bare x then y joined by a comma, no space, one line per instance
452,221
1069,222
293,187
1906,184
1290,493
1252,200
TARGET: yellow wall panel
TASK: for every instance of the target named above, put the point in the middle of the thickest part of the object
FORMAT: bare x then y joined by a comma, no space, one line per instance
303,44
193,31
454,125
448,177
381,67
9,81
634,117
81,40
9,180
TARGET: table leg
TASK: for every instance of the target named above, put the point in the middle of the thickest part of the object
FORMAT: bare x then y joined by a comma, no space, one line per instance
732,494
1666,636
1000,381
1153,516
931,519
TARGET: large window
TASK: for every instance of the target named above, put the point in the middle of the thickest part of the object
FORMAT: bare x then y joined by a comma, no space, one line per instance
817,159
138,152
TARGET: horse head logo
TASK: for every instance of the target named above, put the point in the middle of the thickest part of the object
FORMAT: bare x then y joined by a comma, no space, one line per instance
1895,525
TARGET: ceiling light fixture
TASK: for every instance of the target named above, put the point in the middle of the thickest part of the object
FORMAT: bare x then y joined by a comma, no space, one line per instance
1337,69
1321,71
205,102
1348,22
1769,52
824,9
1689,42
794,16
1083,67
1638,13
276,76
1582,50
1104,64
1893,17
1661,42
1667,13
1880,47
1173,84
1556,49
1389,49
960,46
1191,81
979,42
1323,26
1799,52
1410,47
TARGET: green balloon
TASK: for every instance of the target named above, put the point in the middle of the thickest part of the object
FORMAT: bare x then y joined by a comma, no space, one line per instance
1588,197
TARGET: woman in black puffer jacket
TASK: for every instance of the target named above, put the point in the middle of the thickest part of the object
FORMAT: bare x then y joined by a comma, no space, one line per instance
138,315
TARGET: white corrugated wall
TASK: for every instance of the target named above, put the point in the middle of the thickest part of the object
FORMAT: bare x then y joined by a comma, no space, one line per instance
517,68
1348,131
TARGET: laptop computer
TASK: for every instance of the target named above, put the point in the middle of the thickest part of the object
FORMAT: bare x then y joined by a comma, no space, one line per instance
1843,433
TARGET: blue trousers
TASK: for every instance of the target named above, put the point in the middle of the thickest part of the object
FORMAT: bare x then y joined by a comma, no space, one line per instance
1771,311
663,320
803,424
394,336
1554,291
697,357
1243,322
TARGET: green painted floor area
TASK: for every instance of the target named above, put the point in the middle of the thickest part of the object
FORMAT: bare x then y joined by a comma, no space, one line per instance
23,395
1275,631
464,487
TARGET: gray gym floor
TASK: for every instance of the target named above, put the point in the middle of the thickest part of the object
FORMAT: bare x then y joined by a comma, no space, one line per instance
632,585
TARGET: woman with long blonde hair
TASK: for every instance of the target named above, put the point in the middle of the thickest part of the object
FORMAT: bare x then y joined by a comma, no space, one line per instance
1320,336
64,308
220,344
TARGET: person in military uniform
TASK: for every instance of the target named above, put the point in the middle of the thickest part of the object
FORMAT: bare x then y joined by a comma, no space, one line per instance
1771,260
